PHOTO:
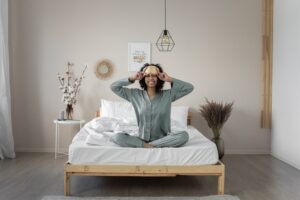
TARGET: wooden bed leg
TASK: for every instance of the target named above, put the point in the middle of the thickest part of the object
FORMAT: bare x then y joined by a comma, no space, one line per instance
66,184
221,180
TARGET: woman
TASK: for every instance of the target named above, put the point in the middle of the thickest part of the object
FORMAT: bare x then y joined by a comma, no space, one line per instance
152,107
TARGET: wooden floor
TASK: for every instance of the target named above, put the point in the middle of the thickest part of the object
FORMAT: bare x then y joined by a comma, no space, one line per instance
251,177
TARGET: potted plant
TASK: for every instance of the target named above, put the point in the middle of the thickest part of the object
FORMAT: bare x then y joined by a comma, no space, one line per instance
216,114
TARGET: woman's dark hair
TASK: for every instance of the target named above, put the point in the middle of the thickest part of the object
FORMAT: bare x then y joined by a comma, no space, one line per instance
160,83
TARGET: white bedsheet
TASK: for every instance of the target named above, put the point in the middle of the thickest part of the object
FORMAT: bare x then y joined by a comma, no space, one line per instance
198,151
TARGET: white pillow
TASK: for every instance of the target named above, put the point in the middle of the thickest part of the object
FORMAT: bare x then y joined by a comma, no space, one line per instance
118,109
106,108
124,110
179,116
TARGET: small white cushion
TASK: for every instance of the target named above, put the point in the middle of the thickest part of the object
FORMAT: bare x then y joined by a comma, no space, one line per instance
106,108
179,116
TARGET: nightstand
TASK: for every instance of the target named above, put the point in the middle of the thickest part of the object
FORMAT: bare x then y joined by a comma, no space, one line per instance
57,124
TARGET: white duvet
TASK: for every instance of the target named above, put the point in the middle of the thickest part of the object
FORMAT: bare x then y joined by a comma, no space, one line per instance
92,145
99,130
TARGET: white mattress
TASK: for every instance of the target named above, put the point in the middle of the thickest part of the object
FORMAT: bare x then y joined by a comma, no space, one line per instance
198,151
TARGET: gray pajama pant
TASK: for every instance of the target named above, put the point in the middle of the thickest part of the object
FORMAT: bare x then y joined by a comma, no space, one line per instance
172,140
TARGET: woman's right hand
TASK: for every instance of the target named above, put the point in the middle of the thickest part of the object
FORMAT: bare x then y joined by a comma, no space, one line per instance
136,76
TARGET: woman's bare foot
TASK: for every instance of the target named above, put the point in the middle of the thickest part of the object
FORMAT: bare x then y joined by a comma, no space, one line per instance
146,145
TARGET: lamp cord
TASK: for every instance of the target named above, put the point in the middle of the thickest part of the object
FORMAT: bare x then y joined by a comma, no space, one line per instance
165,14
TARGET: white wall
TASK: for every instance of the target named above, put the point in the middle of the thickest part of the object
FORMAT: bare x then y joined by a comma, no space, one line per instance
286,94
218,49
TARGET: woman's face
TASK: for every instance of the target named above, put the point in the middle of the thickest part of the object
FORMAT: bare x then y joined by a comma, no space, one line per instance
151,80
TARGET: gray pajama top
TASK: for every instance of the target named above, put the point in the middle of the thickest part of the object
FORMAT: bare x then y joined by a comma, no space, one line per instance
153,116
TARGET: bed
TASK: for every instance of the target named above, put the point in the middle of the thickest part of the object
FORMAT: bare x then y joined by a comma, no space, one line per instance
197,158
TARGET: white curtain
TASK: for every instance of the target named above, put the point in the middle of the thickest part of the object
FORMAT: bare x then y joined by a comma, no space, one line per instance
6,137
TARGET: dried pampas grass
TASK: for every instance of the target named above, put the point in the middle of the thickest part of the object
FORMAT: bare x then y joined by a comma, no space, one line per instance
216,114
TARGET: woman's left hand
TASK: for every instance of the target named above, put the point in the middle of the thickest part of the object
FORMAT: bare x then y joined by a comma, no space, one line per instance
164,77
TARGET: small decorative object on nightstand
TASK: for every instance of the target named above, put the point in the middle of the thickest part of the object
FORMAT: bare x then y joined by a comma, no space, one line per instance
63,122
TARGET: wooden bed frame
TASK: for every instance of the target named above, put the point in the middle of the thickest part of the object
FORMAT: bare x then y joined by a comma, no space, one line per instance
144,171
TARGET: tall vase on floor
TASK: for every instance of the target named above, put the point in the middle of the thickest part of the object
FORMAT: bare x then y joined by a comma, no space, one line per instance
216,114
219,142
220,146
69,111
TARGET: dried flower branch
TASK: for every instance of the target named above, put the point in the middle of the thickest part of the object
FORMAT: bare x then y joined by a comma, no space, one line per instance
70,85
216,114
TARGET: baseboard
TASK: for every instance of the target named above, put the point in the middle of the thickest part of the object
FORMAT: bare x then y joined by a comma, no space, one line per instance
247,151
286,161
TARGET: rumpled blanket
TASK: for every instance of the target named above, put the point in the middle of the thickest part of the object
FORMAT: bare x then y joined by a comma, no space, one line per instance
99,130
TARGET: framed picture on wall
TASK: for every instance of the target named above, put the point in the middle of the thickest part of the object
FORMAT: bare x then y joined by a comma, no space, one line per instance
139,53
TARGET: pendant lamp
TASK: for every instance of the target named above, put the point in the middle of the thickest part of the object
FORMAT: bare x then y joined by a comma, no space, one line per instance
165,41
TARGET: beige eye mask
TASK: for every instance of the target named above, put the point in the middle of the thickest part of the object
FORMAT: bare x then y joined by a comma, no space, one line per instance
151,70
